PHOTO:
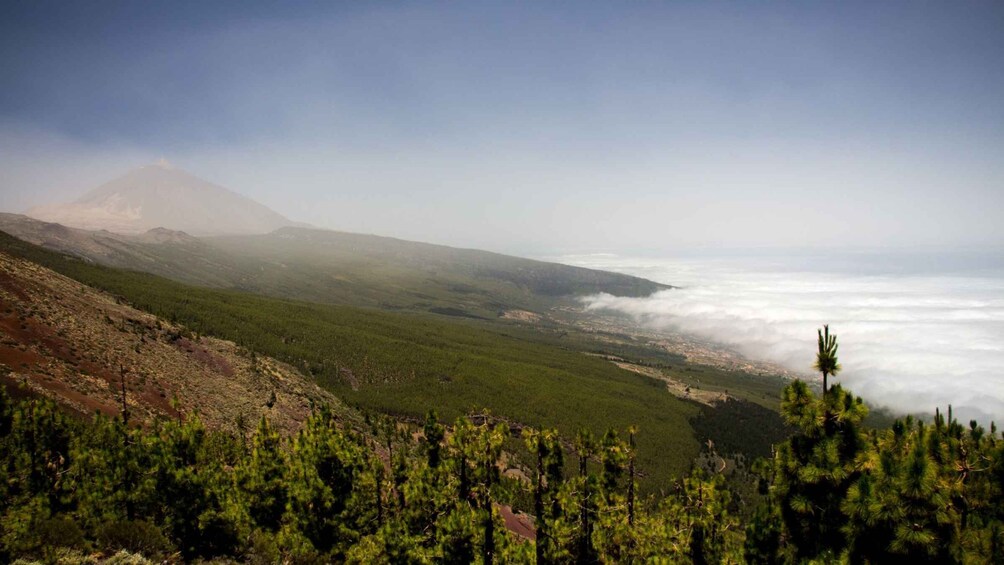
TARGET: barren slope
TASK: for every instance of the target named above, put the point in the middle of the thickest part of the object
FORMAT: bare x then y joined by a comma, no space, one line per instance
72,343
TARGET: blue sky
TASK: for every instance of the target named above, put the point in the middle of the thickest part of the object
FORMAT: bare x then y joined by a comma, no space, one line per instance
529,126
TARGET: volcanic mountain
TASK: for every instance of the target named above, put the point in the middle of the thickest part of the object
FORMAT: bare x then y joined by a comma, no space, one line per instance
162,196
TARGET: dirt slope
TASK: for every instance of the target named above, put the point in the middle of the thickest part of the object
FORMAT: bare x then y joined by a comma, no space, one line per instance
74,344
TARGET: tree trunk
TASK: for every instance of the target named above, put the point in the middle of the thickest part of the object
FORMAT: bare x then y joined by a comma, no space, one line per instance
630,492
538,504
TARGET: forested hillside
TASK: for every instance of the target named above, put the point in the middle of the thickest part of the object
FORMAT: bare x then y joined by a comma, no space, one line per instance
916,493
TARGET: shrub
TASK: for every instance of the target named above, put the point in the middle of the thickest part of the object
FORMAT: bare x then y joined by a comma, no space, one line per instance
137,536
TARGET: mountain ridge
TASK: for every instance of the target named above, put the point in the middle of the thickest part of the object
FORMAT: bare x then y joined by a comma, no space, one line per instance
339,268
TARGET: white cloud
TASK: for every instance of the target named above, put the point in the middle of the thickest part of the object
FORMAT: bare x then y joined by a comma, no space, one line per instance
910,342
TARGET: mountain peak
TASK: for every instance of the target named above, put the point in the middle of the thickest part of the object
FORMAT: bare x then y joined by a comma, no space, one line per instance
161,195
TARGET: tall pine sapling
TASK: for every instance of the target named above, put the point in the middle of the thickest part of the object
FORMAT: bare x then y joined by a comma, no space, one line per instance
826,356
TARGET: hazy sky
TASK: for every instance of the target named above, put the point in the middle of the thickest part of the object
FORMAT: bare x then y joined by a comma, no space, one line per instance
529,126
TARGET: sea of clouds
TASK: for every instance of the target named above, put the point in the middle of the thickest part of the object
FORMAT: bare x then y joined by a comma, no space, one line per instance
914,334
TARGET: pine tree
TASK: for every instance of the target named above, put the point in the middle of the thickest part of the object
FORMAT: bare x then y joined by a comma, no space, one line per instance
826,356
330,502
433,433
261,479
192,489
816,467
588,487
545,447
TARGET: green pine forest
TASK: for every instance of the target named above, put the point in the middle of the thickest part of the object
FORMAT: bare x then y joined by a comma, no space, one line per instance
832,493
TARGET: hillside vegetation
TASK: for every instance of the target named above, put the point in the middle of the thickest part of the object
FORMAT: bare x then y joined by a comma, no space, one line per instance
404,364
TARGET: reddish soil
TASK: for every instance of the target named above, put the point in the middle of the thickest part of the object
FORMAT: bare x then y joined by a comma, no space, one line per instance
204,356
518,523
18,358
29,329
71,343
8,284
